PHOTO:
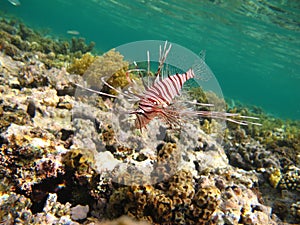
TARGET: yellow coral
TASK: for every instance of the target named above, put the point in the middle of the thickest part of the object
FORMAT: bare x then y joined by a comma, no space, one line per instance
275,177
81,160
110,65
79,66
206,127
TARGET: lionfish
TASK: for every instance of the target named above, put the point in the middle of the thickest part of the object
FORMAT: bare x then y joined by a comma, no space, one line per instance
158,98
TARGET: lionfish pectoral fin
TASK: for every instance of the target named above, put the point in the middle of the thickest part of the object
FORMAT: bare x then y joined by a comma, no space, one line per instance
141,120
250,122
97,92
171,117
231,117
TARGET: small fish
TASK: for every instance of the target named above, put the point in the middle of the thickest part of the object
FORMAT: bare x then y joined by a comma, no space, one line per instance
73,32
15,2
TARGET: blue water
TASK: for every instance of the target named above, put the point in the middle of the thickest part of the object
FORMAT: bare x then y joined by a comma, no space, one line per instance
253,47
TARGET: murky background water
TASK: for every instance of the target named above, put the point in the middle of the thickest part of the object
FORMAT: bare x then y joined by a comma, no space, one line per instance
253,47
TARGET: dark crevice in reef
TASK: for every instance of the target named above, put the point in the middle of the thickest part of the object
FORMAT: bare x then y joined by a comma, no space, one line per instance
66,188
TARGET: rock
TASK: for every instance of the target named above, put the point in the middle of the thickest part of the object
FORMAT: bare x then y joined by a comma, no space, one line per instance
79,212
105,161
31,108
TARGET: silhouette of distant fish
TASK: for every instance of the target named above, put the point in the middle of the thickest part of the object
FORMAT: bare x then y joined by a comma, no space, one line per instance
15,2
73,32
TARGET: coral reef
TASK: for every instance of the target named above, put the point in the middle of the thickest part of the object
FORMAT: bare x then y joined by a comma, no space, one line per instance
186,200
295,208
290,179
62,160
273,151
16,37
161,203
78,45
15,209
124,220
54,212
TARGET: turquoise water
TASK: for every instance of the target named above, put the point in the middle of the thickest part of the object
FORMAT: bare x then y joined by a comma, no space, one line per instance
253,47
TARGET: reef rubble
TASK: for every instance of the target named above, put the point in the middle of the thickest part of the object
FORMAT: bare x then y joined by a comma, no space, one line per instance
59,153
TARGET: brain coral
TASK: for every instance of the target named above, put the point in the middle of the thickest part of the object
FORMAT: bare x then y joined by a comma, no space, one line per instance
172,200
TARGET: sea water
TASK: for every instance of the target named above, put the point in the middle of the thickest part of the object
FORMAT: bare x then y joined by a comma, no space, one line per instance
252,46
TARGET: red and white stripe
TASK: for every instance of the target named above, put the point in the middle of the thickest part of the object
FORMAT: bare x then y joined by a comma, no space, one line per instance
163,92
